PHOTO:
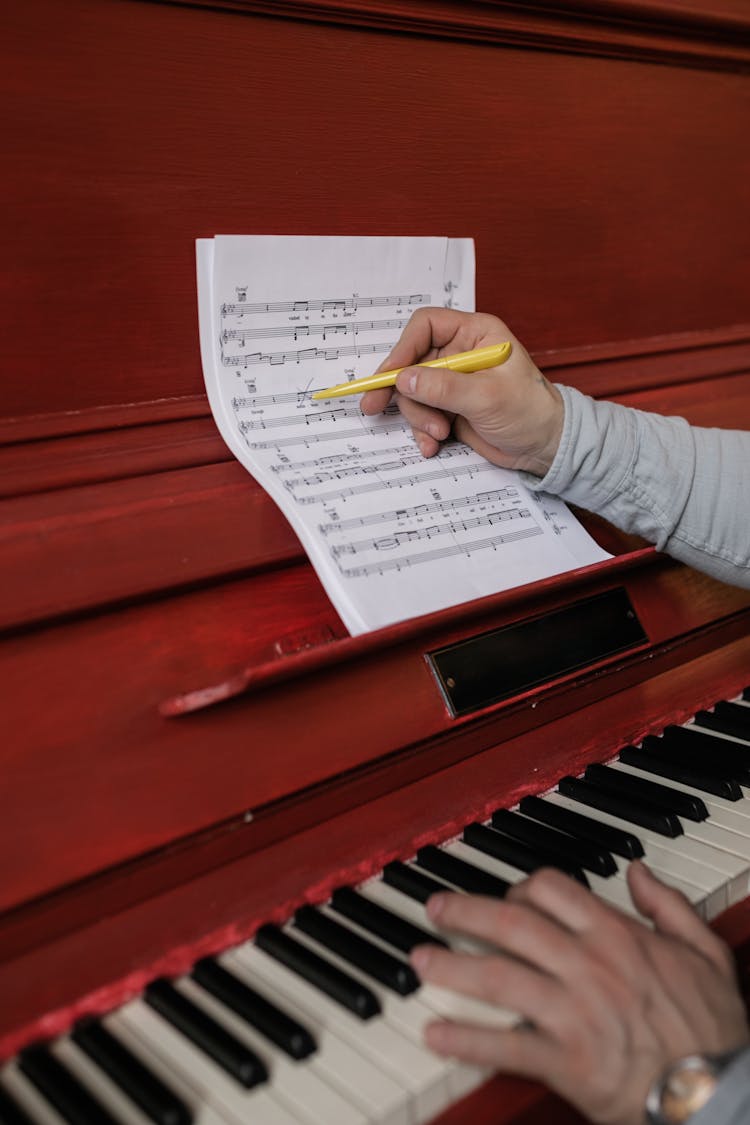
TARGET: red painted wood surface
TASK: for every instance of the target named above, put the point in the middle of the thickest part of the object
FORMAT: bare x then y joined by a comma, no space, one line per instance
597,153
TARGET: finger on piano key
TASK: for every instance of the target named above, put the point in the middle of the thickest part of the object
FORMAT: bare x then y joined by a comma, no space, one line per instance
122,1108
612,891
273,1023
62,1089
410,1015
348,1058
412,1064
670,858
208,1080
724,814
579,852
307,1095
139,1083
700,782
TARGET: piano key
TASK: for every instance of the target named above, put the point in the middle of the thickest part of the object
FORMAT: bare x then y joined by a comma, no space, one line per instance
645,816
409,1015
11,1112
26,1095
119,1105
334,1060
613,890
710,752
155,1099
645,789
413,882
245,1067
276,1025
682,858
462,874
72,1100
342,987
729,813
376,1042
300,1088
699,781
726,718
523,856
575,850
583,827
395,930
358,950
212,1083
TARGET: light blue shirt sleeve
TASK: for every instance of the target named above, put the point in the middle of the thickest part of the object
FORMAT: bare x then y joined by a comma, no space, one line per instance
730,1103
684,489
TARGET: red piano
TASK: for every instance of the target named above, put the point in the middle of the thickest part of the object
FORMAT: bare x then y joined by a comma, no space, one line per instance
193,748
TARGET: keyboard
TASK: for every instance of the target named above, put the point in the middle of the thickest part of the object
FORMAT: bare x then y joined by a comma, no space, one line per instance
321,1020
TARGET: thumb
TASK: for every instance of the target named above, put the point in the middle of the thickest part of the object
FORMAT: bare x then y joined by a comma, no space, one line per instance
446,390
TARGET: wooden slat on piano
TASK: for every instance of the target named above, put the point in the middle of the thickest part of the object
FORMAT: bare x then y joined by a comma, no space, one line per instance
597,153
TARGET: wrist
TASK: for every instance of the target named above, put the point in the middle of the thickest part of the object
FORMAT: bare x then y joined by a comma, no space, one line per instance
686,1087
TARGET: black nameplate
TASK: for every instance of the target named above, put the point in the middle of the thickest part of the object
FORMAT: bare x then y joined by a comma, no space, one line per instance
493,666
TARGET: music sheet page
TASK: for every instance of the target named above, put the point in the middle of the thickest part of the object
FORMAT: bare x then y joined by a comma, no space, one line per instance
390,534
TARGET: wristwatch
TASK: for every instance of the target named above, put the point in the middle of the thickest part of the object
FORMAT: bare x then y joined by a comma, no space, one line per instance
685,1087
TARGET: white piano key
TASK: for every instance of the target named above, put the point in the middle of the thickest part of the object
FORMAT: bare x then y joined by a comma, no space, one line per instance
207,1078
669,857
293,1082
411,1064
28,1097
344,1041
93,1078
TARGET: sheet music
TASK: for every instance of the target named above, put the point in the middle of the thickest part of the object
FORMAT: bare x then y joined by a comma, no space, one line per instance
390,534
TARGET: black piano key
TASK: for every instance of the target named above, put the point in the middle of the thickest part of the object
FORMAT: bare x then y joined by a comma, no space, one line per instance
642,789
132,1076
583,827
727,718
62,1089
411,881
465,875
287,1033
517,854
746,695
627,808
340,986
377,919
382,966
704,751
11,1112
201,1029
578,852
651,762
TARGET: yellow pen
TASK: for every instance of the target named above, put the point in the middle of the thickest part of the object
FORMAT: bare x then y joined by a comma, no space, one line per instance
479,359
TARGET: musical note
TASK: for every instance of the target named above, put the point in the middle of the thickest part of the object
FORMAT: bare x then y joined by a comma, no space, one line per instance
245,308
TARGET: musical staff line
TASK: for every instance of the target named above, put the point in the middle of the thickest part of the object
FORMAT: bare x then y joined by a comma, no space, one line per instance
420,510
309,437
296,330
402,482
454,450
439,553
326,304
415,534
276,359
324,475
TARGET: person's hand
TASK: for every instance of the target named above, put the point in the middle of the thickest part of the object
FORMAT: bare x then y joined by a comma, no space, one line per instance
510,414
607,1004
